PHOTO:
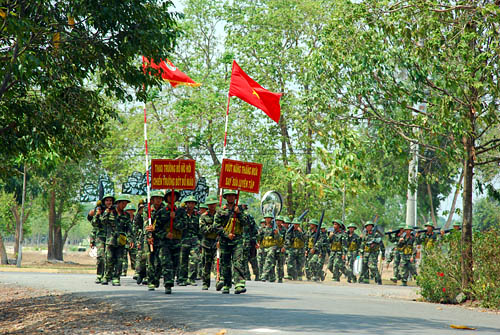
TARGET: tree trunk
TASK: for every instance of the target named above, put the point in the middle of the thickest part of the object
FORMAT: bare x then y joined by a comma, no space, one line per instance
289,194
454,202
467,261
52,224
58,243
3,253
429,193
15,212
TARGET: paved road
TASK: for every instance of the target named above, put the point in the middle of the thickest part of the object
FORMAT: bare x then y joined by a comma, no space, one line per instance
271,308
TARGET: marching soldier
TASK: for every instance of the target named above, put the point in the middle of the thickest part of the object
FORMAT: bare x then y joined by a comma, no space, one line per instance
269,240
142,252
407,244
294,243
313,262
353,242
130,248
153,243
429,238
118,228
99,234
371,245
208,230
324,247
189,244
250,238
231,221
280,249
261,253
396,253
337,250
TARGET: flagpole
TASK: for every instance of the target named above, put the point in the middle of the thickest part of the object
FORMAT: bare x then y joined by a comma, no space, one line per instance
147,170
225,142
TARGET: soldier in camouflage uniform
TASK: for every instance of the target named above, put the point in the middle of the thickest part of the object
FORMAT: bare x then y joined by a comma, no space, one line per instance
338,250
130,248
169,237
396,253
324,246
295,241
231,221
152,241
261,253
353,242
250,247
409,251
313,261
142,248
98,238
280,249
118,229
429,238
189,244
371,246
269,242
208,230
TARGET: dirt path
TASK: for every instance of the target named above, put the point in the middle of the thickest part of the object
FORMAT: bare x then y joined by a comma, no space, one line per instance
27,311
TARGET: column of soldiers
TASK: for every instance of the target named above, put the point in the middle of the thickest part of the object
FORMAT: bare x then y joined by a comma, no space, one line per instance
181,242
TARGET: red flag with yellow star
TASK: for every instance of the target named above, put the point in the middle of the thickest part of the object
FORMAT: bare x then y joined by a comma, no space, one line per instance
248,90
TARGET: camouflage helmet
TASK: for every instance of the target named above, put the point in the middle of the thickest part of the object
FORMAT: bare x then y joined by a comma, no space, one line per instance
203,205
268,215
429,224
369,222
109,195
352,225
176,193
339,222
229,192
130,207
122,197
295,221
211,199
280,218
314,222
408,227
262,221
189,198
287,219
457,224
157,193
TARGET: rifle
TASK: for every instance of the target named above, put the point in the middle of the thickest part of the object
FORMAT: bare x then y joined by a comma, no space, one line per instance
316,237
299,219
395,231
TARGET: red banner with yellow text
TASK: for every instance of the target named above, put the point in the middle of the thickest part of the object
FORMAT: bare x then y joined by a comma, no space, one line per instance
242,176
173,173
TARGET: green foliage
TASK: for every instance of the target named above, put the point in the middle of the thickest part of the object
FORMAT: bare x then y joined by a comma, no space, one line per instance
440,272
59,58
486,214
7,222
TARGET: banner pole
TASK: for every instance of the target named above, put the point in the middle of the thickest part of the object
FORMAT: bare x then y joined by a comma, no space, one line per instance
172,196
147,170
225,143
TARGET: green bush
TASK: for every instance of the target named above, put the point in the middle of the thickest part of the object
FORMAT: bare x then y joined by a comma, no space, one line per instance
440,272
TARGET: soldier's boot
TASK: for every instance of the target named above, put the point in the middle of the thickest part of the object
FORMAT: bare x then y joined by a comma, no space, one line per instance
348,280
144,281
139,280
204,287
98,280
240,290
193,283
151,287
182,283
394,279
378,281
299,278
219,285
157,283
354,279
168,290
280,280
404,283
116,282
104,281
225,290
135,276
124,273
